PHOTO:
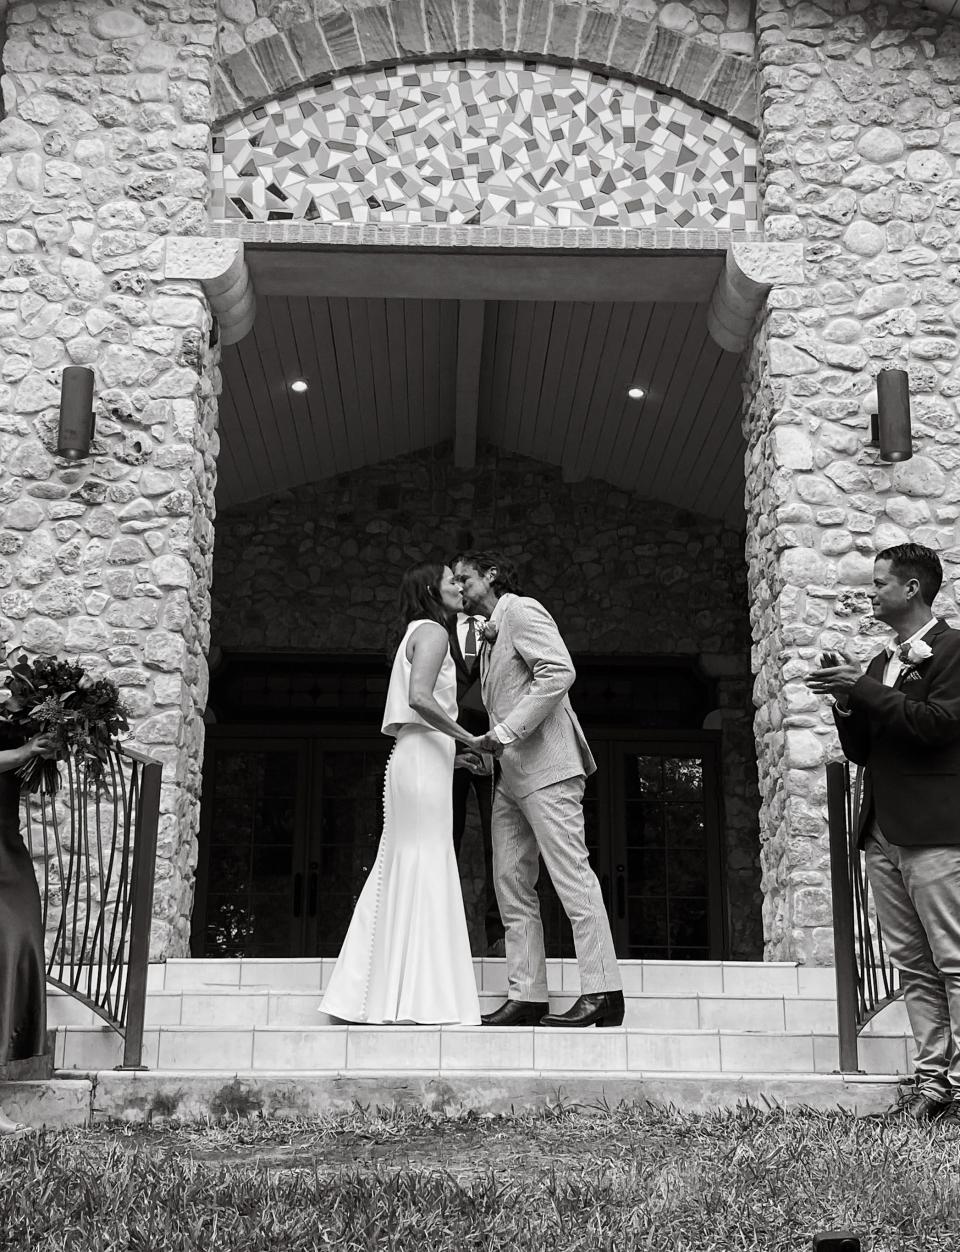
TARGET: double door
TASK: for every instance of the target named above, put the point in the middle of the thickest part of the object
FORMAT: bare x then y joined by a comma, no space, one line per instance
290,827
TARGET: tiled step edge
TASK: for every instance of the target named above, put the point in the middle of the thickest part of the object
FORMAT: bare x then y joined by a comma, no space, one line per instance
736,978
56,1103
425,1049
158,1096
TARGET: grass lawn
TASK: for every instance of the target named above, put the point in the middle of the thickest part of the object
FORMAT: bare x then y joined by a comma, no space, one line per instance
635,1177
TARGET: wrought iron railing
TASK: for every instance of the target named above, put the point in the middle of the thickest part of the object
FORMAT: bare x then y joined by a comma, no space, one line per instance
95,847
866,979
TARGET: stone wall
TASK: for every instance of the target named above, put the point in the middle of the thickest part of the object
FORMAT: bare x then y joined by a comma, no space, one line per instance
103,152
860,138
317,569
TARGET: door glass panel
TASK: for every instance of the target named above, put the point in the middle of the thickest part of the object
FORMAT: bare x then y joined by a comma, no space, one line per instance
664,827
344,840
252,824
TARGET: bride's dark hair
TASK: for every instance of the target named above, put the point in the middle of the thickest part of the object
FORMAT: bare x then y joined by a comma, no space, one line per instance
420,595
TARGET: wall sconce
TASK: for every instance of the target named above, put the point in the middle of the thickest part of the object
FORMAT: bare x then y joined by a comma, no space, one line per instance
890,429
76,413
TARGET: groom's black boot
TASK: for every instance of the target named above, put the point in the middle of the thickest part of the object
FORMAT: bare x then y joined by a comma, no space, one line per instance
516,1013
605,1008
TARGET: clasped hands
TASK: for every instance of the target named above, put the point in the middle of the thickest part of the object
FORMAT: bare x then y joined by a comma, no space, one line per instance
475,756
837,675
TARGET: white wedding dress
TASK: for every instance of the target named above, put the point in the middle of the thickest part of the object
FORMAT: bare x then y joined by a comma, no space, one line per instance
406,956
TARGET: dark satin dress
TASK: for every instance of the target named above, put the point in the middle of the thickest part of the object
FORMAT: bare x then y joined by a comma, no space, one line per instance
23,1000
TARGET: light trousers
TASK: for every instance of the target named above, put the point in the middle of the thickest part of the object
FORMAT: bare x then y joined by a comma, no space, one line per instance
917,897
548,823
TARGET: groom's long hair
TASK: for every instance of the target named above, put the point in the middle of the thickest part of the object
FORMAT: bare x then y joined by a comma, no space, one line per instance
507,578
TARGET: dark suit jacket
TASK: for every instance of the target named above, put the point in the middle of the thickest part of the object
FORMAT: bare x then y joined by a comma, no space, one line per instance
471,714
908,737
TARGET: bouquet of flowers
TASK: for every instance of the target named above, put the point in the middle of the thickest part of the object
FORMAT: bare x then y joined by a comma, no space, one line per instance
81,716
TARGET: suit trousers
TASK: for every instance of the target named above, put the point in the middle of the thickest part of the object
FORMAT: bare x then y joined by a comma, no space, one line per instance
548,823
482,785
917,897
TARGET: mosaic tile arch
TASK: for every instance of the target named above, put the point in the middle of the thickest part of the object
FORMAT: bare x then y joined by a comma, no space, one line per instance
481,143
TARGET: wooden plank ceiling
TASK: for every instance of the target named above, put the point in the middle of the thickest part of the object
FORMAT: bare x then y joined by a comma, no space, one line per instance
545,379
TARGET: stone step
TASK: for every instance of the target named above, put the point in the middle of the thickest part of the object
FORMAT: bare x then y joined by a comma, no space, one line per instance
159,1096
486,1050
716,978
253,1006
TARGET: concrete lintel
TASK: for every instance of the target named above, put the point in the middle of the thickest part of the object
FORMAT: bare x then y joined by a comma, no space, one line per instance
220,266
750,270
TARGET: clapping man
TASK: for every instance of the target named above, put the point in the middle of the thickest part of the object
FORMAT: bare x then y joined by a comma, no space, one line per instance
901,720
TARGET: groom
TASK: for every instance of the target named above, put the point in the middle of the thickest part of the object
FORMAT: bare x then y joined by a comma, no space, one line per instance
526,672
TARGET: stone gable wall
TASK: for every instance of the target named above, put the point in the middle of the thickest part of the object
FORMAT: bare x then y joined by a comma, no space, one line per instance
860,141
316,569
104,151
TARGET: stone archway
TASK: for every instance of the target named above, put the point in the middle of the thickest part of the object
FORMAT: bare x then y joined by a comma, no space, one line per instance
716,78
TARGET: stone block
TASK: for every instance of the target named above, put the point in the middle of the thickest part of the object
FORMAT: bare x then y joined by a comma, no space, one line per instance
245,77
693,70
595,37
341,36
375,34
447,26
309,49
276,64
732,76
564,28
411,25
534,22
486,27
659,56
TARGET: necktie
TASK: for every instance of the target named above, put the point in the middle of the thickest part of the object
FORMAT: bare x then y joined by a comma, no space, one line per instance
470,644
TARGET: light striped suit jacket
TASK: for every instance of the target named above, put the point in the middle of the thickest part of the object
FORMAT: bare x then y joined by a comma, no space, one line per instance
525,676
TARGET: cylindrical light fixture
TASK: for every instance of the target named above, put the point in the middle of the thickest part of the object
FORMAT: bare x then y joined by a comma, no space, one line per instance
893,415
76,413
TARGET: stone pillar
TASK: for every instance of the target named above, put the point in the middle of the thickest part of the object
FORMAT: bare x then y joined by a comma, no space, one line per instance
860,135
103,154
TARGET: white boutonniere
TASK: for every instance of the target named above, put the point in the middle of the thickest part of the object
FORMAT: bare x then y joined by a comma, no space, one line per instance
488,632
918,652
913,655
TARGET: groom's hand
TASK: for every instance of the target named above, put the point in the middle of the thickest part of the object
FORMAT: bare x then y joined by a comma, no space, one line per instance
490,743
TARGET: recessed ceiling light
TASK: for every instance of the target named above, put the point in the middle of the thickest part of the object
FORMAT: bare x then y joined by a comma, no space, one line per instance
298,384
636,393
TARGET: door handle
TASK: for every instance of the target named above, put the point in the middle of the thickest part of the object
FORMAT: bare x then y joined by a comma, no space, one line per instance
297,894
313,886
621,892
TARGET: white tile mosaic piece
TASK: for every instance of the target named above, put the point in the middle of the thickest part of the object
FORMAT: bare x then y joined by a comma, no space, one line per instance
497,144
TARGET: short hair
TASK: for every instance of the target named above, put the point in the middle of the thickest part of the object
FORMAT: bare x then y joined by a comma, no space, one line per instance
913,560
507,578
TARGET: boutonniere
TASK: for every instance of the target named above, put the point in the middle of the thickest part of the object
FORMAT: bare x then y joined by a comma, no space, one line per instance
913,655
488,633
917,652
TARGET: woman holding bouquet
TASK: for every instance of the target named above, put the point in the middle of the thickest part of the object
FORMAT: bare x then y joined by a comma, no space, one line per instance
23,1003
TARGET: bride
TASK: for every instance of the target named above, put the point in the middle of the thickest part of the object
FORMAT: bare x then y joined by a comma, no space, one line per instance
406,956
